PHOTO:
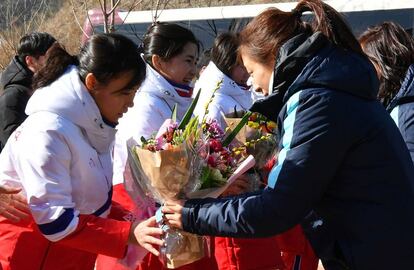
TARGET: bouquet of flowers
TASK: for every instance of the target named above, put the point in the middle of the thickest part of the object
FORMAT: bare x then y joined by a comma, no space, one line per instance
183,160
258,138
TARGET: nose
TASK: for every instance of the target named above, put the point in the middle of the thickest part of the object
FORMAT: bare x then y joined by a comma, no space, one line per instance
130,100
193,69
130,104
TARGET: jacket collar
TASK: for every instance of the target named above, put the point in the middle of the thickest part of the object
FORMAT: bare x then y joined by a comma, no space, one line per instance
406,92
69,98
16,73
156,85
312,61
212,75
292,58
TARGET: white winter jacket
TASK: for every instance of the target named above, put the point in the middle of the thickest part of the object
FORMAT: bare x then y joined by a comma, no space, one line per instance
153,104
61,157
226,99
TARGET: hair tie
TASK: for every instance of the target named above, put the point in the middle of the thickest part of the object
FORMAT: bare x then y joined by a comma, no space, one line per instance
297,13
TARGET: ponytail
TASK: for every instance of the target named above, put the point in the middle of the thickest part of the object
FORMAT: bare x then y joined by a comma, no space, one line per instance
57,60
330,23
266,33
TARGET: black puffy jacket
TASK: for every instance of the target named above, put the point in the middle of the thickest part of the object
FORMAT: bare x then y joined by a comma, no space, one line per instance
16,82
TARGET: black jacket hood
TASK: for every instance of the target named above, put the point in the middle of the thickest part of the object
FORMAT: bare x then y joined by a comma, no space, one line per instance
16,73
311,61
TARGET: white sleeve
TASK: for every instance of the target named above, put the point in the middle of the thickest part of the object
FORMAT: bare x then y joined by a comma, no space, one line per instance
44,170
142,120
215,112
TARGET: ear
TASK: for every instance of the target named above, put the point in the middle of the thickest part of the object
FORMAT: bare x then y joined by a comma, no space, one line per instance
157,62
90,82
30,62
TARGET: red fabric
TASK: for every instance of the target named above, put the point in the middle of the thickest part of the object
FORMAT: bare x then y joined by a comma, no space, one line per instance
99,235
247,254
297,253
23,247
152,262
121,200
295,248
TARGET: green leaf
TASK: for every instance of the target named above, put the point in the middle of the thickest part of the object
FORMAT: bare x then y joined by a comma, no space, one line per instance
189,112
236,130
174,113
143,140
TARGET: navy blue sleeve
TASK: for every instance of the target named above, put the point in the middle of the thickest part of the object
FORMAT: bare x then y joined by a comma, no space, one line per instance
406,125
312,149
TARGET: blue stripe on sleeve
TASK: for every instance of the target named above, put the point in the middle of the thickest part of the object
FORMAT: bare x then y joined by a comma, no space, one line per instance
394,115
288,124
59,225
106,205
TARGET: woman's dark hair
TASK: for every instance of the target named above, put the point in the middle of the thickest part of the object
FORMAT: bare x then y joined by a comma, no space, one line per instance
34,44
267,32
224,52
166,40
104,55
391,49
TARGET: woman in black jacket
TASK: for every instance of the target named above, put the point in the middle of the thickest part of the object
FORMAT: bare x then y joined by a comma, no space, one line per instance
341,157
391,49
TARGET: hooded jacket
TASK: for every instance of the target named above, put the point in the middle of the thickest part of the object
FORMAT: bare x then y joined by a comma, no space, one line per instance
402,110
228,98
61,157
341,156
16,82
153,104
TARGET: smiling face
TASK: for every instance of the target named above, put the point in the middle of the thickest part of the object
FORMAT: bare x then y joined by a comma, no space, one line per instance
180,68
113,98
261,73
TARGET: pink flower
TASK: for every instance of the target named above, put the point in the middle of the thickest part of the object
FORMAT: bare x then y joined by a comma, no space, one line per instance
214,130
211,161
215,145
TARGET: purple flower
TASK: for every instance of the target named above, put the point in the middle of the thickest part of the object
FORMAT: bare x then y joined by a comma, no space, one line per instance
214,129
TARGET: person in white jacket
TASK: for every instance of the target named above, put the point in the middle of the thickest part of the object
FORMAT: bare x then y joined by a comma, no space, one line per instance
61,158
170,54
233,94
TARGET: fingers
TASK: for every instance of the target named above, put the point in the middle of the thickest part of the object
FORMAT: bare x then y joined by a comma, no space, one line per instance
171,208
174,203
10,216
12,207
147,234
9,190
174,220
151,249
16,213
19,202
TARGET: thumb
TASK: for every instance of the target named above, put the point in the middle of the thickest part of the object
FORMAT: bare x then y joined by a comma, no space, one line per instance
9,190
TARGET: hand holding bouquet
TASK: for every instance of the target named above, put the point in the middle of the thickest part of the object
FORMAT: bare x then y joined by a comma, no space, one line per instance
180,161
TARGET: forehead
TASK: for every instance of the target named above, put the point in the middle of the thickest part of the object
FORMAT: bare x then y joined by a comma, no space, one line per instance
190,49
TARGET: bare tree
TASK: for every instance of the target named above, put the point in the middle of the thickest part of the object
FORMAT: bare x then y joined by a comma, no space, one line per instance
108,9
18,17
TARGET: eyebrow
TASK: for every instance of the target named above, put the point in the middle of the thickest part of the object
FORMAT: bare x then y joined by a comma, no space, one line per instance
124,88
